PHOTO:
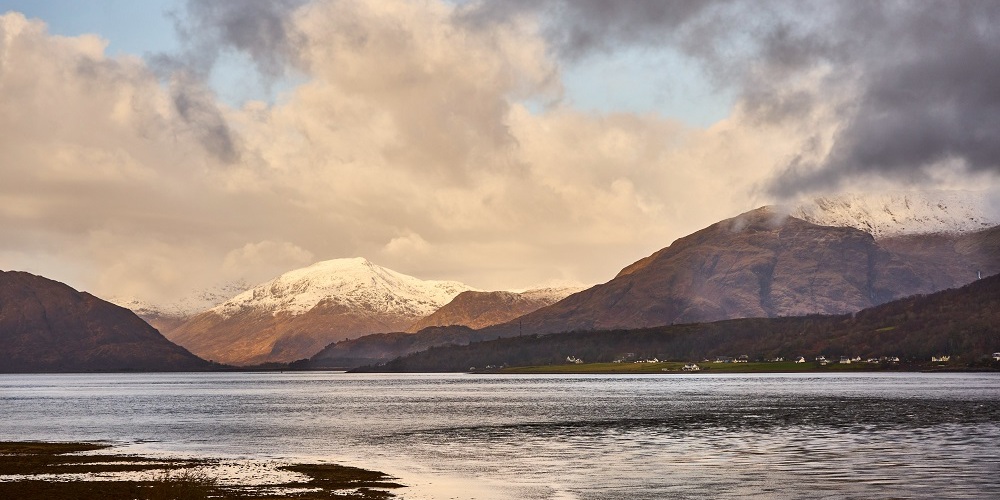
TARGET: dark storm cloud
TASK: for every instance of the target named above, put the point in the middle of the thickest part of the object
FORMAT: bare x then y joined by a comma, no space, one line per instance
580,27
196,105
258,28
922,79
929,95
209,29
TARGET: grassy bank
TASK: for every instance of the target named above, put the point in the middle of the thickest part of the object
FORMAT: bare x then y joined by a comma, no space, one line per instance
52,471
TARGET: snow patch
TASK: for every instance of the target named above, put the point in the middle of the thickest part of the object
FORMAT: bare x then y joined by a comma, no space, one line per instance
192,304
355,283
552,294
902,213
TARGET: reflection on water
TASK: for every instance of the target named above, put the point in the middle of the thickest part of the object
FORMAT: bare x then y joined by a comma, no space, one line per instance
561,437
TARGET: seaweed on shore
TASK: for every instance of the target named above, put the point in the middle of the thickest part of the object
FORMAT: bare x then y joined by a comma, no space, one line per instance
178,480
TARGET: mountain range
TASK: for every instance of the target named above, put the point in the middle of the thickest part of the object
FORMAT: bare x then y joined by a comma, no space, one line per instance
763,263
46,326
959,323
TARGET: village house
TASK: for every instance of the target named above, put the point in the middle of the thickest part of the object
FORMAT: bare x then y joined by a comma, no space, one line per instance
691,367
940,359
800,359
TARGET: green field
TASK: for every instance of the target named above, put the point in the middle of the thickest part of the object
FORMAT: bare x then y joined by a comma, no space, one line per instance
675,367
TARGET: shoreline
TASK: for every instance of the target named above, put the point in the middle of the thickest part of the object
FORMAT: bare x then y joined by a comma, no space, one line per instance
677,368
93,470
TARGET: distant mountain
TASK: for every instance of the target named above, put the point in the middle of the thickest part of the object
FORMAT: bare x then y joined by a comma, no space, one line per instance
380,348
961,323
760,264
903,213
167,316
764,264
297,314
46,326
481,309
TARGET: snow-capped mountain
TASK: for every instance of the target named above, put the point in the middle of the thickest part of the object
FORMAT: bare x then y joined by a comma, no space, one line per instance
902,213
552,294
169,315
354,283
298,313
191,304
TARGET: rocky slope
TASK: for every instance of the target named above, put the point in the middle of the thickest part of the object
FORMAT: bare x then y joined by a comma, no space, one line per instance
297,314
46,326
482,309
765,264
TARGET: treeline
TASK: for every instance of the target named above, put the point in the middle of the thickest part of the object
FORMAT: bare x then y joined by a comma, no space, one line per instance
963,323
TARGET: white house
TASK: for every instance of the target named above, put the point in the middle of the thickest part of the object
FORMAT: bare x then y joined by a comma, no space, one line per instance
800,359
996,356
691,367
940,359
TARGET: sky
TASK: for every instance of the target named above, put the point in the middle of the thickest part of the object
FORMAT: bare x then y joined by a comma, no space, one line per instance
152,149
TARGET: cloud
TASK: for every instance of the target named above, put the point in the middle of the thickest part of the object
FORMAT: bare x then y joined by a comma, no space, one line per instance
909,87
410,138
256,262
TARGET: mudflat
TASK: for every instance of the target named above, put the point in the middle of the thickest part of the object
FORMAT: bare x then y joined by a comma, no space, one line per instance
42,470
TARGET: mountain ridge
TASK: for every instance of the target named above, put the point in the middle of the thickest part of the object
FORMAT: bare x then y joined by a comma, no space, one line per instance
962,323
47,326
900,213
476,309
294,315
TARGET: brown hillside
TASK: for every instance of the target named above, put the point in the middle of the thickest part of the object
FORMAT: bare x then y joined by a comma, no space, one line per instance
481,309
46,326
254,337
765,264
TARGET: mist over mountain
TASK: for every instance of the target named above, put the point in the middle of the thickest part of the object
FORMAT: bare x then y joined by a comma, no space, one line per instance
46,326
298,313
167,316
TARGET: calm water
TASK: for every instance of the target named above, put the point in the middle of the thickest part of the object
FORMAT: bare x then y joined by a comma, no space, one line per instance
559,437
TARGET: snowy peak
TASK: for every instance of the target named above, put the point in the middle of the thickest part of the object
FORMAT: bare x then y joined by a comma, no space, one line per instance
354,283
552,294
193,303
902,213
